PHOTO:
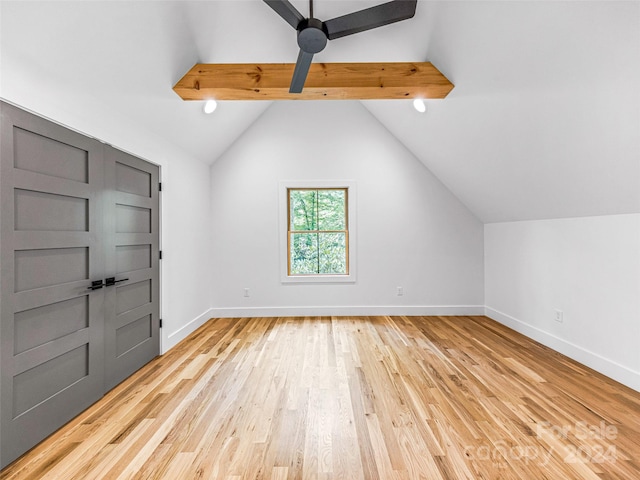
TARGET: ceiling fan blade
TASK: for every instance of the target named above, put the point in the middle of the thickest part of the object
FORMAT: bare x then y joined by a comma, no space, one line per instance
300,71
369,18
287,11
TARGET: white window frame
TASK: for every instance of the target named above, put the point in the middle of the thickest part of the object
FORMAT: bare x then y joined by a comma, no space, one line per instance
284,187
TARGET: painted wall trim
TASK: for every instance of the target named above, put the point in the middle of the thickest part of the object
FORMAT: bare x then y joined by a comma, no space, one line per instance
238,312
183,332
611,369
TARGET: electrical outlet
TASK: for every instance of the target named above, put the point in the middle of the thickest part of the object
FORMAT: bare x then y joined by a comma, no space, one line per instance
246,292
400,291
559,316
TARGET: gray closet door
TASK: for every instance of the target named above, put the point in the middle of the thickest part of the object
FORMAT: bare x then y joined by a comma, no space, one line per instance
73,212
132,252
51,328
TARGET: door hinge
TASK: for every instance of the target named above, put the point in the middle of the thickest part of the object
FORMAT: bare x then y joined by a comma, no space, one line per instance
160,186
160,323
160,254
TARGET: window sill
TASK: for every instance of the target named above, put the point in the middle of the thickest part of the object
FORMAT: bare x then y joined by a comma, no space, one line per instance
315,279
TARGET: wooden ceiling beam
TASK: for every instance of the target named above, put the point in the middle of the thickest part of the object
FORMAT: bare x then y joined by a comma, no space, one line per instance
325,81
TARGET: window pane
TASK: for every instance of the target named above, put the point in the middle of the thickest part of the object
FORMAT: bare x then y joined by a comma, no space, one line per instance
333,253
304,253
331,210
303,205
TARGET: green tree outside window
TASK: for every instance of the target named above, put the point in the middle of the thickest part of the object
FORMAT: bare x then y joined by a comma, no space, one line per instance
318,231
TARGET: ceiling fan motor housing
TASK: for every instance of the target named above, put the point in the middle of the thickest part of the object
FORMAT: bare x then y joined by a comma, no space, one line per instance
312,37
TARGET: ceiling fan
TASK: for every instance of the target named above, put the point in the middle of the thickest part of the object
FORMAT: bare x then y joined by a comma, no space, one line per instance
313,33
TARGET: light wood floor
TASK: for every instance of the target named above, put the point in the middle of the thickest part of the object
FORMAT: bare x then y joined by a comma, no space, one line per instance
351,398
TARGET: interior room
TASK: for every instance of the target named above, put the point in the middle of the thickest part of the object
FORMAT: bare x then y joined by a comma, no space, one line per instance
498,231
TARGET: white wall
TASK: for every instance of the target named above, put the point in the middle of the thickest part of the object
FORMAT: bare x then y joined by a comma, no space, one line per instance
186,246
185,201
589,268
412,232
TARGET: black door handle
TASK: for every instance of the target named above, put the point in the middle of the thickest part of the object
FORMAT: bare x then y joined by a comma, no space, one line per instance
96,285
109,282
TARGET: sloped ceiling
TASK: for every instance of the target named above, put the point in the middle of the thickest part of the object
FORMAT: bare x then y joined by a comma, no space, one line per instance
544,121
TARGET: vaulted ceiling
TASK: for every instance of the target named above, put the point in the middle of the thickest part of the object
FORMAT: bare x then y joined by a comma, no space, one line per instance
543,122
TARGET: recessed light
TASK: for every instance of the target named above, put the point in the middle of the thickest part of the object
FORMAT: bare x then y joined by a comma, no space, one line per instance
210,106
419,105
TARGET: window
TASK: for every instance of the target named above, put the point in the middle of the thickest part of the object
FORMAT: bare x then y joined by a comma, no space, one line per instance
317,238
318,235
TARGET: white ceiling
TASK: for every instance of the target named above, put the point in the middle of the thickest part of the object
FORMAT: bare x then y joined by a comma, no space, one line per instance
544,120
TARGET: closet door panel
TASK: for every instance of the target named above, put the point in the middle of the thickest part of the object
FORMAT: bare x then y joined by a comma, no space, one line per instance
52,325
132,303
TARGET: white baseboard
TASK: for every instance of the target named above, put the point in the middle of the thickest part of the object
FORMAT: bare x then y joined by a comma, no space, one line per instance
183,332
237,312
620,373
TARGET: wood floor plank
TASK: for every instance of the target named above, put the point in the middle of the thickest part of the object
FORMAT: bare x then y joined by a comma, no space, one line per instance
351,398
